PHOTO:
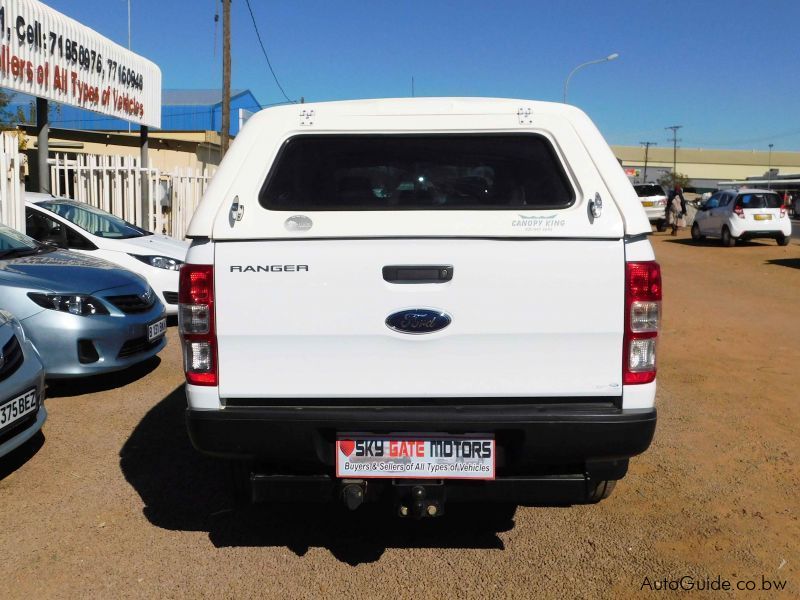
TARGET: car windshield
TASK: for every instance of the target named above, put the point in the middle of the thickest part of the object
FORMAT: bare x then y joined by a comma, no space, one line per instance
13,244
648,190
95,221
759,200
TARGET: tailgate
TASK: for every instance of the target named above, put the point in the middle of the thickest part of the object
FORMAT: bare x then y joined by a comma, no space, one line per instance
528,318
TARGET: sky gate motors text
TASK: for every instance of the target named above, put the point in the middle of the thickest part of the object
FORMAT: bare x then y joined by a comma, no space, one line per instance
418,449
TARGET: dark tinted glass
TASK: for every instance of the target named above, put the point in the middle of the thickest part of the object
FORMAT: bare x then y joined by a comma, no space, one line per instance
758,201
393,172
648,190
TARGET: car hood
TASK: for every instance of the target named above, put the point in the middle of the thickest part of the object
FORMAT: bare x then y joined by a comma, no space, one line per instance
151,245
64,271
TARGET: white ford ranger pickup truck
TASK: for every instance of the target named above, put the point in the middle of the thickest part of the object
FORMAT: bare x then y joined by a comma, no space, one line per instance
421,301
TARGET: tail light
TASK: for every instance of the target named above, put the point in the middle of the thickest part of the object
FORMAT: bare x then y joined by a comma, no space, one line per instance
642,321
196,324
783,210
739,211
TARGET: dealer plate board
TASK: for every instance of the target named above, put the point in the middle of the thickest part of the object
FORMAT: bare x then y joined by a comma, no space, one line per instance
361,456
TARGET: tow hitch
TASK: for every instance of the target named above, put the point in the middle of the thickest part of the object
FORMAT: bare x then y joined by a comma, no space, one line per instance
354,491
411,499
419,500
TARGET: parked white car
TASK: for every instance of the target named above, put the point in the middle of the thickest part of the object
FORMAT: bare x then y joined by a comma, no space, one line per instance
426,300
83,228
654,201
733,215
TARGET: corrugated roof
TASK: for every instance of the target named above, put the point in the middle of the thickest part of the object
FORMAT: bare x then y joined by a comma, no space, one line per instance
194,97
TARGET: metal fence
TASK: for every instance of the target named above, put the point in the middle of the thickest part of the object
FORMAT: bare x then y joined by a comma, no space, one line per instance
115,184
12,191
111,183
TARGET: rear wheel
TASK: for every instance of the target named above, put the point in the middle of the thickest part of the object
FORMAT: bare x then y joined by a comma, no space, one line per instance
696,235
661,225
603,490
727,239
783,240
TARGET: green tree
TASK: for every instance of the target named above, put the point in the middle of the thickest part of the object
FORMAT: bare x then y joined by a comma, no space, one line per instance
6,118
669,180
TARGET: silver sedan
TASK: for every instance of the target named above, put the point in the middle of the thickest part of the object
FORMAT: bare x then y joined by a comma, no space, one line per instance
22,411
83,315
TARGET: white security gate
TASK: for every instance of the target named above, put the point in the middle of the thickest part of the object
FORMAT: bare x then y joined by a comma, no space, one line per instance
188,187
115,184
111,183
12,191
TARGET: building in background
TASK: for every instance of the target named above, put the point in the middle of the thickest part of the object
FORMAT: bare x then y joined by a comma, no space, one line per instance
181,110
707,168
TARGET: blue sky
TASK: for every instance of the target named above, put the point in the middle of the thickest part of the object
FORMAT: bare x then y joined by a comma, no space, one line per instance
726,70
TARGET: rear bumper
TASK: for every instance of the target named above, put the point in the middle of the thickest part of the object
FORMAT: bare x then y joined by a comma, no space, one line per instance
776,229
532,439
655,213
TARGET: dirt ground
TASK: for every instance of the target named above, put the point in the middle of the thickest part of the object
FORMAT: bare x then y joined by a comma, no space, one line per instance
112,501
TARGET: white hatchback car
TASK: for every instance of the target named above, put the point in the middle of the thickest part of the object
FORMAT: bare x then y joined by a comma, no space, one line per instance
654,201
733,215
83,228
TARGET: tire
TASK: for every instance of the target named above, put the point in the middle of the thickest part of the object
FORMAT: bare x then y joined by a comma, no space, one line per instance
603,490
783,240
696,235
727,239
661,225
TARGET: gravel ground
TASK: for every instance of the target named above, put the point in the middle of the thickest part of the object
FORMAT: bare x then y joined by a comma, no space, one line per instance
112,501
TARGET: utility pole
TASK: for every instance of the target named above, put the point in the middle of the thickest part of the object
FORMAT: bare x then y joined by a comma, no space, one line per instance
226,76
412,86
129,43
769,168
675,141
646,150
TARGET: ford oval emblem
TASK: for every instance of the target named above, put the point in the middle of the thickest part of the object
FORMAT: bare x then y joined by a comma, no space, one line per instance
417,321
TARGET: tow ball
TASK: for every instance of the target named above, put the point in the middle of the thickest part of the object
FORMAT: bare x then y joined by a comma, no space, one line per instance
419,501
354,492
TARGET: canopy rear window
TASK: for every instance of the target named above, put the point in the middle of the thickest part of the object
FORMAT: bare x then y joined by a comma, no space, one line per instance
416,172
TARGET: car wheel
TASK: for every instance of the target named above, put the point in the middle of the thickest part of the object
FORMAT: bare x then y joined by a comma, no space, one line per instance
661,225
727,239
696,235
603,490
783,240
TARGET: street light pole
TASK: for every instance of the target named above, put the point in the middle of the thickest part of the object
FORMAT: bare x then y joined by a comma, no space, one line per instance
769,168
610,57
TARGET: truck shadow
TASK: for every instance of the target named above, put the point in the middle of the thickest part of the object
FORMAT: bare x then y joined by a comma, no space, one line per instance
792,263
185,491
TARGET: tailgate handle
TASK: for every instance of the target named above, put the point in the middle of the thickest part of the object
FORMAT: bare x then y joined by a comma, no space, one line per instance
418,273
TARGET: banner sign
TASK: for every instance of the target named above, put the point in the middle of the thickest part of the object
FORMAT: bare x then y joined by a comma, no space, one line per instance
453,457
46,54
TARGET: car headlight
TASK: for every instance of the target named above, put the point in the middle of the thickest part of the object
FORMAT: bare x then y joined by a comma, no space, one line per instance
75,304
160,262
